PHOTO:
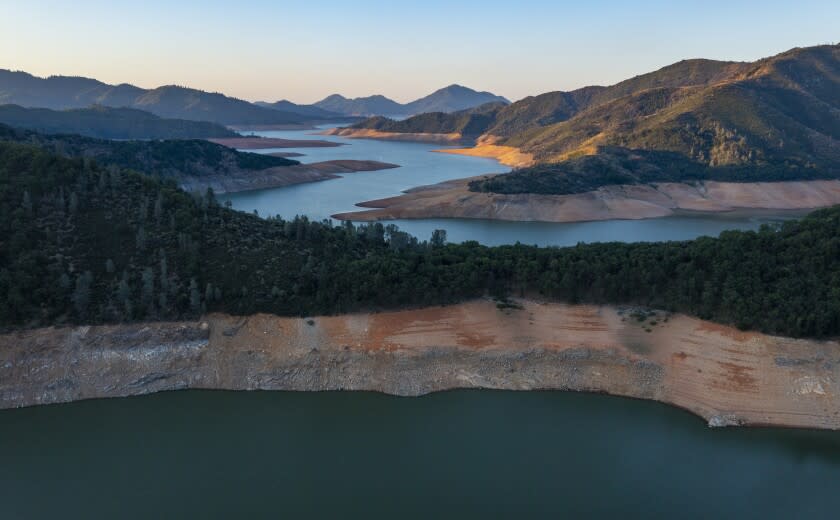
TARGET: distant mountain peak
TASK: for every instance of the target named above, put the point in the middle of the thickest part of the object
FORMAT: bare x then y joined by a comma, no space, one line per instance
167,101
451,98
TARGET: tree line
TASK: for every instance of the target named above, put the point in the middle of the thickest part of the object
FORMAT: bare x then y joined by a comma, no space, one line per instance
85,243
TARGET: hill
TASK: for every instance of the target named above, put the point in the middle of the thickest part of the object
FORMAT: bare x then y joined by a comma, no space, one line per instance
109,123
448,99
304,110
182,160
83,243
361,106
469,123
63,92
774,119
451,99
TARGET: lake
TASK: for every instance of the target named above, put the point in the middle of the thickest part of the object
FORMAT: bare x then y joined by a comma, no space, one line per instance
420,166
460,454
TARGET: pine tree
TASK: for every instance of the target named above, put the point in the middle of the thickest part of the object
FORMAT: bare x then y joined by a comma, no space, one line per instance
81,295
159,207
74,203
27,203
148,291
140,239
195,296
124,296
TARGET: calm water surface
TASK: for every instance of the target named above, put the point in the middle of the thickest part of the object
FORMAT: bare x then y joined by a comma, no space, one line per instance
420,166
462,454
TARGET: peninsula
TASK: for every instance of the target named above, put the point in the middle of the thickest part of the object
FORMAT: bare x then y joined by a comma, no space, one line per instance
696,135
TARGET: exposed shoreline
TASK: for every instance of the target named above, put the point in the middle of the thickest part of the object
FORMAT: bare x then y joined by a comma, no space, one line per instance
281,176
453,199
279,126
486,147
365,133
726,376
261,143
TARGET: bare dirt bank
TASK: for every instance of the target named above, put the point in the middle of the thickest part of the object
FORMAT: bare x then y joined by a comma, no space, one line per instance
364,133
285,154
487,147
453,199
724,375
281,126
246,180
260,143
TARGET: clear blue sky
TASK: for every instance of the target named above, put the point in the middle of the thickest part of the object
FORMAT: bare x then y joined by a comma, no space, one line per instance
267,50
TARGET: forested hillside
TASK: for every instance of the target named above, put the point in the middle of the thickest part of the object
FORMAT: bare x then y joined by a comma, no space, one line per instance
109,123
469,123
771,120
84,243
172,159
170,101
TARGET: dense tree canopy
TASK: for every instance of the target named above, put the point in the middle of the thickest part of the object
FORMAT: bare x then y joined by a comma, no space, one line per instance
171,158
109,123
614,165
84,243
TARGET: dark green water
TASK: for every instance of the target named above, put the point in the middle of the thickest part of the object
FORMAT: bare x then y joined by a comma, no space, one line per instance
356,455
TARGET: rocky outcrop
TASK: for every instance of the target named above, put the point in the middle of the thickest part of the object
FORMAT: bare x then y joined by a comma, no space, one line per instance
727,376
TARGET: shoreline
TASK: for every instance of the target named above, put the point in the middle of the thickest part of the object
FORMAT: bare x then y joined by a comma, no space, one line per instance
262,143
280,176
726,376
453,199
486,147
365,133
279,126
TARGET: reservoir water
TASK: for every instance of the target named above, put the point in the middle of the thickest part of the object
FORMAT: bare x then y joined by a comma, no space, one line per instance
461,454
419,166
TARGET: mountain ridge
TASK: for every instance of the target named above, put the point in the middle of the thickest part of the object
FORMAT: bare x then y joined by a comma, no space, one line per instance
168,101
109,123
451,98
777,118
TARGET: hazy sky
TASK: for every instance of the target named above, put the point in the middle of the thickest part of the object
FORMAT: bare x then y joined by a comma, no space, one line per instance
303,51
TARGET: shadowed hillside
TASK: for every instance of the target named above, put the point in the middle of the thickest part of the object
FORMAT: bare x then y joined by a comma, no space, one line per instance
178,160
304,110
469,123
448,99
361,106
109,123
171,101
